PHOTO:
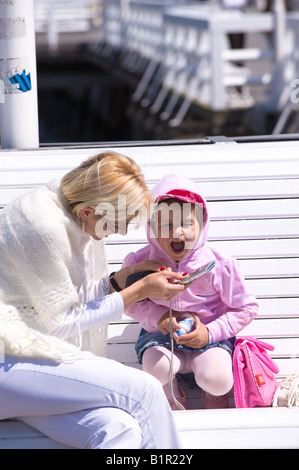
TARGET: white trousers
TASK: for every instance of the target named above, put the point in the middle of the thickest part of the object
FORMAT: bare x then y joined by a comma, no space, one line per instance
91,403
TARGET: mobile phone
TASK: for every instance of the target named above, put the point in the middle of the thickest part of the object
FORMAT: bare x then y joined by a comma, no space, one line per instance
204,269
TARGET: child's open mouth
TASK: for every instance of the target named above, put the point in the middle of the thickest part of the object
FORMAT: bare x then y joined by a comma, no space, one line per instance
178,247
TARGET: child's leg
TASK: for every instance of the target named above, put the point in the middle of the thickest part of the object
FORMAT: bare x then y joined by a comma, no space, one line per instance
213,370
156,361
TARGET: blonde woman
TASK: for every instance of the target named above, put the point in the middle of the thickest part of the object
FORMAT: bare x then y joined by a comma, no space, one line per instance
54,289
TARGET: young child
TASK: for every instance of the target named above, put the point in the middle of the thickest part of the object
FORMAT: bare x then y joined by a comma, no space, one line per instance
220,301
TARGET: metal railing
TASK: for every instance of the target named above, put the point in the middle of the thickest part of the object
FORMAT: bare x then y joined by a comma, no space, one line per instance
56,17
182,52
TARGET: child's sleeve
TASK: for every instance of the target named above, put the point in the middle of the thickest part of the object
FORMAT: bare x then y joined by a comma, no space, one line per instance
239,300
147,312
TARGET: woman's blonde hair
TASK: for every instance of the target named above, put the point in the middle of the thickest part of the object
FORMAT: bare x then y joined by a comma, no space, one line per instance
101,179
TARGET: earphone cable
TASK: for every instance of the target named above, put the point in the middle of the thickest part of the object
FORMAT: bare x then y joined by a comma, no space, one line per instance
179,405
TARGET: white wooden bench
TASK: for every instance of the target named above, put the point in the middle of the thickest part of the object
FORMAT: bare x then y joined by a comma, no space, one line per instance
252,191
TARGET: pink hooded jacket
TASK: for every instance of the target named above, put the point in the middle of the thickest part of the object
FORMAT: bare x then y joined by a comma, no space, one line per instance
220,298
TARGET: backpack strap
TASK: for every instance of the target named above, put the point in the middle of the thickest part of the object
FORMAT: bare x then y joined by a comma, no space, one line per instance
257,342
258,348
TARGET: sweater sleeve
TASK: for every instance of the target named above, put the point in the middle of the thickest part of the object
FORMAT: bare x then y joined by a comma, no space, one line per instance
240,302
95,312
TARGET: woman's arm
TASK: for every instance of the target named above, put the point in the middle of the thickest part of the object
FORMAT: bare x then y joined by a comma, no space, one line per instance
95,312
111,307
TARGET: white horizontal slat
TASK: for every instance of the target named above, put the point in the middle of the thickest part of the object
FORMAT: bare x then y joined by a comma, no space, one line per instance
246,229
285,347
257,160
231,438
281,267
135,236
44,159
275,287
238,418
287,367
242,249
274,308
9,194
256,189
264,248
274,328
268,208
117,252
223,190
243,428
229,167
34,177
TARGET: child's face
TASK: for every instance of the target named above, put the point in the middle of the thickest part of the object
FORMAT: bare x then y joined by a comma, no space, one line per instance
178,228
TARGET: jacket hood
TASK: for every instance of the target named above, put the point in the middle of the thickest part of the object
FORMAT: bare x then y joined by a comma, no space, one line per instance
183,188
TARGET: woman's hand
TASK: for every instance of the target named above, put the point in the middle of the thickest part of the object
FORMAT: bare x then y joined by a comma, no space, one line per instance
197,338
159,285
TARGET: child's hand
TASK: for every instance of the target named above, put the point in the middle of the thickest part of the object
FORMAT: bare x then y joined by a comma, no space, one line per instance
163,323
197,338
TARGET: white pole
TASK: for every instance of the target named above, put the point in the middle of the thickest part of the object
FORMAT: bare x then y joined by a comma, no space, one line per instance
279,29
18,104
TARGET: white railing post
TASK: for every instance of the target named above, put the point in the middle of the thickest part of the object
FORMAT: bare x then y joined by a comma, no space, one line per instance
279,29
18,105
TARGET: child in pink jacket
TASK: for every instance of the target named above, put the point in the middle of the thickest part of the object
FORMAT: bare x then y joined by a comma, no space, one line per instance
220,301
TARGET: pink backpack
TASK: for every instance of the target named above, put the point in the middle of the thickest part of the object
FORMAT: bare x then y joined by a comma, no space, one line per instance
254,380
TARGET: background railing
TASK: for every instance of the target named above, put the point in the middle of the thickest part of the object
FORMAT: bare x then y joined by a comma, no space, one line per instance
181,51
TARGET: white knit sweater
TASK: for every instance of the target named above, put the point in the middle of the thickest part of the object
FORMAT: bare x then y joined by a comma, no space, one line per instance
45,258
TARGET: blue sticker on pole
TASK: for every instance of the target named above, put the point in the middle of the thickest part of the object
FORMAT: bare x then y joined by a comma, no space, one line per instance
23,80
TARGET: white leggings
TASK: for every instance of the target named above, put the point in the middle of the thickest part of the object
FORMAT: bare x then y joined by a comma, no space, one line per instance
212,368
91,403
